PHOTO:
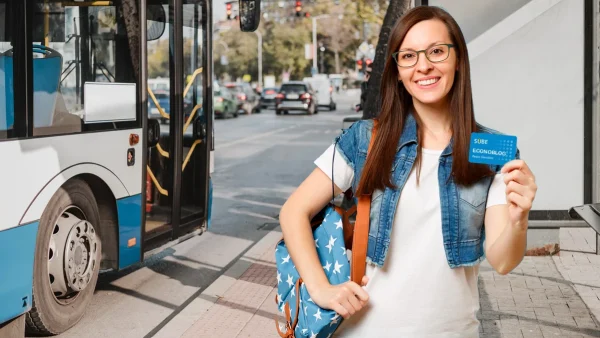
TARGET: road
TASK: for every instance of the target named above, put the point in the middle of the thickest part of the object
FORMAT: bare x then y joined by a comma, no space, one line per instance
259,160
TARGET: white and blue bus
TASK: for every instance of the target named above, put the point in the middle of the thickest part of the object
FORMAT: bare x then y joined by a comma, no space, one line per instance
90,182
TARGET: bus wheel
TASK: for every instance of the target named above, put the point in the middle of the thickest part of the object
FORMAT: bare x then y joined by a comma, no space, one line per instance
67,259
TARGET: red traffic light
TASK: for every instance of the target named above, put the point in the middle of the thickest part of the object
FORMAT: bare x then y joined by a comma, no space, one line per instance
368,61
228,7
359,62
298,6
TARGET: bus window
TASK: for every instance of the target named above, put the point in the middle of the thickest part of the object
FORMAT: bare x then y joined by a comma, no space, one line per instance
6,94
78,50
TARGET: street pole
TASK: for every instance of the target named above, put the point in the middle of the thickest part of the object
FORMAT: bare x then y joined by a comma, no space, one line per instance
260,81
314,36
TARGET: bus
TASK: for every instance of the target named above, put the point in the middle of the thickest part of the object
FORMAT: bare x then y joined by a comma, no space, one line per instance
89,182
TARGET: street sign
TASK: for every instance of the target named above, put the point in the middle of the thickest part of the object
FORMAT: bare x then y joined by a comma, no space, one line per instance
224,60
308,51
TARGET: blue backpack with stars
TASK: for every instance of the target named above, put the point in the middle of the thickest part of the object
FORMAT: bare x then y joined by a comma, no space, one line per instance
333,234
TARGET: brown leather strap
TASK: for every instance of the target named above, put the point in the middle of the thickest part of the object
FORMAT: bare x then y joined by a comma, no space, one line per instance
361,230
290,326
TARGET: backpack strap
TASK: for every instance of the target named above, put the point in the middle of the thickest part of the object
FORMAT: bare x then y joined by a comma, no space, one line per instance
361,229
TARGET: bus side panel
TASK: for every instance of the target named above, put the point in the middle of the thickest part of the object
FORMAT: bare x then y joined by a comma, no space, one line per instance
37,207
17,250
130,230
35,162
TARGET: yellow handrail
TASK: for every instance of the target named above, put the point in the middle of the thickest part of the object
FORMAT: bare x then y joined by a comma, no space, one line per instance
87,3
189,120
189,154
158,187
196,72
162,151
160,110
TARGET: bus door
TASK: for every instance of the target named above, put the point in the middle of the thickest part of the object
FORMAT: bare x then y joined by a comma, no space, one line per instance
177,170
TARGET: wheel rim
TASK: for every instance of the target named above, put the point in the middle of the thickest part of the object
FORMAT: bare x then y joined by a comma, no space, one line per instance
72,255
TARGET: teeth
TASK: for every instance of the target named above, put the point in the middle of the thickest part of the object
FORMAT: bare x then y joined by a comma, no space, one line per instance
428,82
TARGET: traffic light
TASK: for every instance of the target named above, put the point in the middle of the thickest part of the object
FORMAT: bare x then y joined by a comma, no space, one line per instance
298,8
228,7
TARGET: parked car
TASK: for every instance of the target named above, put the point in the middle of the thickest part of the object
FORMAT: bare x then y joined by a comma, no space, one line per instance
249,101
296,95
267,98
225,103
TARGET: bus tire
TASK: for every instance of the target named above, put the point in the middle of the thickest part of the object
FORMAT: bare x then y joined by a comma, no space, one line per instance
70,217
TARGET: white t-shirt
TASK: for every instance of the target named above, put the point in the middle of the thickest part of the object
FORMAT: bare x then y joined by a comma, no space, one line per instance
416,293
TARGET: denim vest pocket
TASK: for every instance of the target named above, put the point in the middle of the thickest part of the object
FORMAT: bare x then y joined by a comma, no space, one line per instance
471,209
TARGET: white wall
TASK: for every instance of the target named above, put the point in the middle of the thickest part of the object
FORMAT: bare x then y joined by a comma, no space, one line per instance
527,77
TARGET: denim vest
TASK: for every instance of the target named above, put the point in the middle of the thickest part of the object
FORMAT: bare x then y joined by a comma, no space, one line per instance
462,208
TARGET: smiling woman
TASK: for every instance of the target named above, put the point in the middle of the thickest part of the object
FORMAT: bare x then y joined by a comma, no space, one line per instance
435,216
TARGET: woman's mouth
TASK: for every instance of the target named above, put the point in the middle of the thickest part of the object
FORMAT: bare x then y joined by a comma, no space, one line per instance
428,83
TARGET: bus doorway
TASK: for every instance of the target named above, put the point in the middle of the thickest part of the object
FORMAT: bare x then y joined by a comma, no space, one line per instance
178,167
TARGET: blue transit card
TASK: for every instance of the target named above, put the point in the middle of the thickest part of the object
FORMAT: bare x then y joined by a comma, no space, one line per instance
492,148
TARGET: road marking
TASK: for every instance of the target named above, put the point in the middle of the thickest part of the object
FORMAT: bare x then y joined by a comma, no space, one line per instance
253,214
251,138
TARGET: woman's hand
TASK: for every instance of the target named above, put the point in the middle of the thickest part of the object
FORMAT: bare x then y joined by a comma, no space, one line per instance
520,191
346,299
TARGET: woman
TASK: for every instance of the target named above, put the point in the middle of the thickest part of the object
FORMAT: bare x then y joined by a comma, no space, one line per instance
434,215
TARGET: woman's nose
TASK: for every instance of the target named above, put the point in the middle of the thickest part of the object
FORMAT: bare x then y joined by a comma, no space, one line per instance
423,64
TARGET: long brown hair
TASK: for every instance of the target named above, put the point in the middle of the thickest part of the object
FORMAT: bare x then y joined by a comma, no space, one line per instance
396,104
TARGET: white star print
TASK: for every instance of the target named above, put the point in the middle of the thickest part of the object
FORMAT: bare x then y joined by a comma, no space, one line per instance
329,336
337,267
313,335
310,300
327,266
343,249
305,308
317,315
294,291
334,320
278,277
279,298
339,224
304,331
331,243
317,242
289,280
285,259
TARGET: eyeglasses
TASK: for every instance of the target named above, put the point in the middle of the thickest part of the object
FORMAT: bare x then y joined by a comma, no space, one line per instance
408,57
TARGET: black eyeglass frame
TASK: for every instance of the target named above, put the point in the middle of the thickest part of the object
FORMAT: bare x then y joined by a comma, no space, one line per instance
424,51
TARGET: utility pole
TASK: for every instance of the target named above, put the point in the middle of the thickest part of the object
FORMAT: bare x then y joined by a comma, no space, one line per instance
260,80
314,36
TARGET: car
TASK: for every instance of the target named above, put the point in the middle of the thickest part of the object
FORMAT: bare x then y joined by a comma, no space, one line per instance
324,90
296,95
225,103
249,101
163,99
267,98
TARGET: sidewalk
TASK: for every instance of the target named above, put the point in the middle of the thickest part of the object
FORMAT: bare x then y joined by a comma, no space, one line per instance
544,297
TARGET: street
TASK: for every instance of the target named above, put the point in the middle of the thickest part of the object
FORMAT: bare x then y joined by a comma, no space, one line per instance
259,160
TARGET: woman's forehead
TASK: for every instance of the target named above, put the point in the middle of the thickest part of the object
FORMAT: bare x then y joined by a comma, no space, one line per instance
426,34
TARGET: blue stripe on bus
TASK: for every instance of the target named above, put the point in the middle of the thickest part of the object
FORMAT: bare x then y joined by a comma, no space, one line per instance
17,249
130,229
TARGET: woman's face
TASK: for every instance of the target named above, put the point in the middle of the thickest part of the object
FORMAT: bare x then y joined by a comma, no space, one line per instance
426,81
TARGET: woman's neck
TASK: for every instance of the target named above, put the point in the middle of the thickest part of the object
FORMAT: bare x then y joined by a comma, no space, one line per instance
437,124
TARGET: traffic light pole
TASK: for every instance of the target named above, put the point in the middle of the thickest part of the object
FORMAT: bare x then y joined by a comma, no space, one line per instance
314,36
260,75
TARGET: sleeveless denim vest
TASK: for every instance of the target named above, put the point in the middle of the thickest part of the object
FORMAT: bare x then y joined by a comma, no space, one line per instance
462,208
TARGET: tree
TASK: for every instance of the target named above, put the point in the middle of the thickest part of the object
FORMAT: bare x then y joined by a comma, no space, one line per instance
394,11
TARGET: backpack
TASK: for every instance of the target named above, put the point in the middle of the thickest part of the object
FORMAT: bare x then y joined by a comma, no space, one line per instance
333,234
